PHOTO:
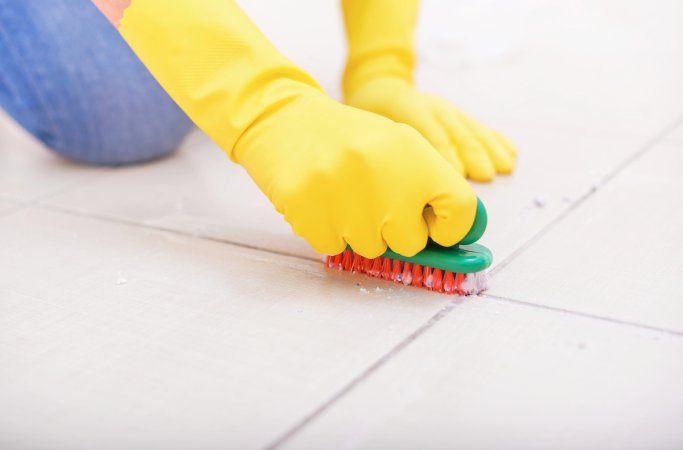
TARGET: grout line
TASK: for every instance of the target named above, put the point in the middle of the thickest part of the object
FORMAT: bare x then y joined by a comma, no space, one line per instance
362,376
586,315
135,224
638,153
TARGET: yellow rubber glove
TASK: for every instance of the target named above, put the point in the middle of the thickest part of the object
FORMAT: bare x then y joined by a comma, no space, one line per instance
378,78
338,174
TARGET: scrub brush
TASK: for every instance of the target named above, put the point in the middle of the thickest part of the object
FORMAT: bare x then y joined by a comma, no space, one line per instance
451,270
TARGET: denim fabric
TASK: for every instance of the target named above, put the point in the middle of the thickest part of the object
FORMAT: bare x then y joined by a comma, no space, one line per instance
69,78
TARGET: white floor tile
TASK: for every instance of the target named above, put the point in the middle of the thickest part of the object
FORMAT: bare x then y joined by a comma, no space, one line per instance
604,66
553,171
199,191
494,375
116,337
29,171
618,255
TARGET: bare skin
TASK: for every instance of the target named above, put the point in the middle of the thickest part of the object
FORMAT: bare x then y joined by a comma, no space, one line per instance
112,9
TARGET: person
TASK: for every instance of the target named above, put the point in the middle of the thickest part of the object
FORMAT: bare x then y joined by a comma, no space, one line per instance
385,168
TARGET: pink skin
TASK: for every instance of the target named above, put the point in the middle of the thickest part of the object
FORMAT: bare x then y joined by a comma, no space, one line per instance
112,9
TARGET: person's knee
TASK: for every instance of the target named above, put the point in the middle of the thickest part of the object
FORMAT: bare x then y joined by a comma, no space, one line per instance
126,125
90,100
125,139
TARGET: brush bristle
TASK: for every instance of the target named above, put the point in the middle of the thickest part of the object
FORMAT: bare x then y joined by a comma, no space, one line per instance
409,274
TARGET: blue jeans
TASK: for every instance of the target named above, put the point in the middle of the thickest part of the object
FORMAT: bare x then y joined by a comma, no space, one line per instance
69,79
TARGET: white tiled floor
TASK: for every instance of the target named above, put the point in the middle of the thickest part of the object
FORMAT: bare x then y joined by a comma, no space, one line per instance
579,66
168,306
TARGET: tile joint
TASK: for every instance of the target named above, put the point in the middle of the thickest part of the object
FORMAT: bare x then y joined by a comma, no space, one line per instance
649,145
584,315
310,417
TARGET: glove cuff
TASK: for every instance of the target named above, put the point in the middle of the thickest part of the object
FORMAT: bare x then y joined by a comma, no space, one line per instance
396,63
214,62
380,36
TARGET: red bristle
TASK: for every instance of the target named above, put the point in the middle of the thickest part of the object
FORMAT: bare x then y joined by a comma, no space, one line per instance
396,271
367,265
376,268
407,275
437,280
459,278
357,263
417,276
347,260
427,279
386,268
401,272
448,283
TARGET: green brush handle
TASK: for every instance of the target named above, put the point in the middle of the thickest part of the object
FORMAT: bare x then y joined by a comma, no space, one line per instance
474,258
478,227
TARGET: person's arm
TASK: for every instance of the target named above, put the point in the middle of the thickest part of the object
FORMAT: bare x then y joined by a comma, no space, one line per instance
380,36
112,9
379,78
339,175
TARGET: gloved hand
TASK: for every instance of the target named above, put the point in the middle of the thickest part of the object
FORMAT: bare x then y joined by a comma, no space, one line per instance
378,78
338,174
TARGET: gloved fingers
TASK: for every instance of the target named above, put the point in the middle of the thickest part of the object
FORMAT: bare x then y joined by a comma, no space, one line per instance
406,234
450,211
326,243
428,125
503,161
478,164
511,149
366,242
307,223
451,155
502,152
